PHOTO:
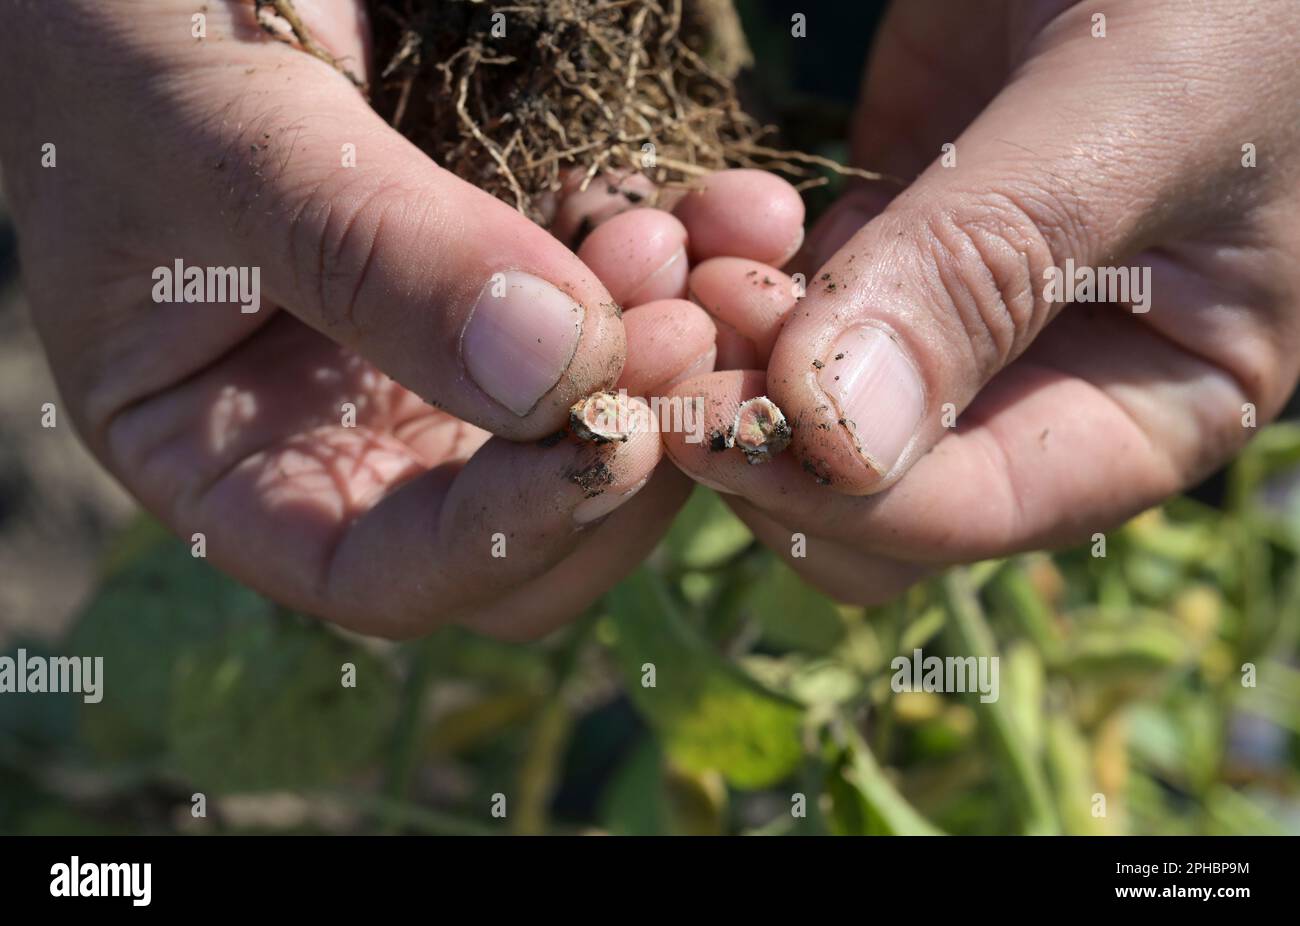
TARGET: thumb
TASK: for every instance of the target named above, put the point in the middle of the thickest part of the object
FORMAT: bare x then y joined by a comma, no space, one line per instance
904,325
361,236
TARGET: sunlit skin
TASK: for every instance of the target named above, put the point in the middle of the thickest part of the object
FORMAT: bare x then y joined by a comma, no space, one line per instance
1124,150
225,152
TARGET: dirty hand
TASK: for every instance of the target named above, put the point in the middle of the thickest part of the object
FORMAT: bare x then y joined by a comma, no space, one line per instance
922,362
326,424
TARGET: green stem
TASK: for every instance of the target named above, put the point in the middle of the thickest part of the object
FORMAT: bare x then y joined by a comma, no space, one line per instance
1012,590
971,634
551,731
404,755
878,792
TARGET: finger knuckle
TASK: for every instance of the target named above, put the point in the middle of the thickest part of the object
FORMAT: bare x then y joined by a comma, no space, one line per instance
987,258
335,238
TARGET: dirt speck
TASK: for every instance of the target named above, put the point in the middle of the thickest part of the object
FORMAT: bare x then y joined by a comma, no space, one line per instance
810,467
592,478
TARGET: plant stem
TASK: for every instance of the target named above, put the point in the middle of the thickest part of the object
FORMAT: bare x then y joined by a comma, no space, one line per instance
549,736
1011,588
405,751
878,792
971,634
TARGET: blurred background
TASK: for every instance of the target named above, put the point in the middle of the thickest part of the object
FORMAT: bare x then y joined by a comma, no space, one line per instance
1152,690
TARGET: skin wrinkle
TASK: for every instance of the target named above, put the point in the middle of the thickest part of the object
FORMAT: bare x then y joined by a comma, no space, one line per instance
363,275
1133,89
378,200
1139,117
250,197
971,288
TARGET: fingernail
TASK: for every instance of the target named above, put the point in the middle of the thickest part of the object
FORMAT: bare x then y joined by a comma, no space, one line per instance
592,509
877,393
520,339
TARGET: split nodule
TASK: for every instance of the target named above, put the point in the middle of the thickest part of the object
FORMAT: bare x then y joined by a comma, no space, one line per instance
515,96
760,430
600,418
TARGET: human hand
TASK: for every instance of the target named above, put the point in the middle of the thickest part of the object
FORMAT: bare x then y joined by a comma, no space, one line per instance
1122,151
334,446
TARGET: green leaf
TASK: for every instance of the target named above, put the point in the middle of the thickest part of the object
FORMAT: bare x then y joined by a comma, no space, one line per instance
158,604
634,804
791,613
1275,449
265,708
707,713
705,533
38,722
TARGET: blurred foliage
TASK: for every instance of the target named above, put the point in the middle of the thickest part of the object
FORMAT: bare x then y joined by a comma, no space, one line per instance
711,692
